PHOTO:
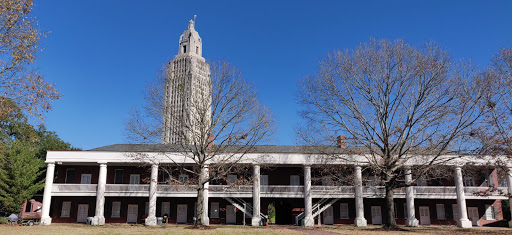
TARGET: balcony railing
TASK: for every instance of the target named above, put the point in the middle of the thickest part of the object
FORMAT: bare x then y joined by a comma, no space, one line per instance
333,189
485,191
176,188
72,188
113,188
368,191
439,190
281,189
230,188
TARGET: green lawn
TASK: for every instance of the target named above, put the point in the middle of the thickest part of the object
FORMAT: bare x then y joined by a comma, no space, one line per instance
69,229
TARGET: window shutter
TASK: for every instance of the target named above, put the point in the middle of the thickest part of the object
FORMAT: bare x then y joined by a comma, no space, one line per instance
344,211
455,211
495,210
440,211
405,211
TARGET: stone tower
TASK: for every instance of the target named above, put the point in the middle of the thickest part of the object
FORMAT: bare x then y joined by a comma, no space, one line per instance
187,107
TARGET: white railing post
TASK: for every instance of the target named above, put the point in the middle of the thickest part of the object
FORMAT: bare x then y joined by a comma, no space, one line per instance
461,200
99,217
359,221
47,195
409,196
256,196
308,200
151,219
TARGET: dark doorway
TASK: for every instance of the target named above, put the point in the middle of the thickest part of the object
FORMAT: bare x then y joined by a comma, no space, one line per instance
283,212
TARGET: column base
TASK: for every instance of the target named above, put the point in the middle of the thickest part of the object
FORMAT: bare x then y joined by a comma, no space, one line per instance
412,223
464,223
206,221
150,221
98,220
309,221
256,221
360,222
46,221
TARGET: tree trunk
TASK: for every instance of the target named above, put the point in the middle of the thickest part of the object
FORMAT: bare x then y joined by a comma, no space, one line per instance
200,206
201,191
390,208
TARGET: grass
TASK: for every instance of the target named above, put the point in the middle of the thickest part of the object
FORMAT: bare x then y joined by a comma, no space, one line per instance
69,229
426,230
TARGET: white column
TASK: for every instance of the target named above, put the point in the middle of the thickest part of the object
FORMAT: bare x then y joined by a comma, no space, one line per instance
205,219
359,221
308,200
47,196
461,200
151,219
99,216
411,220
509,184
256,196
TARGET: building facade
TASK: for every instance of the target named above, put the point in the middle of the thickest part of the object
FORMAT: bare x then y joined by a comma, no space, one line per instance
187,90
110,185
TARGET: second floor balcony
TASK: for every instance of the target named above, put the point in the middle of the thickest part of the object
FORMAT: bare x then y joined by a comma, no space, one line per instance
276,191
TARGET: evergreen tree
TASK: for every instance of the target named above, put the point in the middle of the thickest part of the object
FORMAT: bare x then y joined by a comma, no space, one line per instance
22,154
20,173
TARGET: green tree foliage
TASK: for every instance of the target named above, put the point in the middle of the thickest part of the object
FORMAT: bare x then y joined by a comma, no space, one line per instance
22,155
19,175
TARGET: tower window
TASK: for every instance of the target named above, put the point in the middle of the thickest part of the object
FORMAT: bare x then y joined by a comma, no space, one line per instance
185,49
197,50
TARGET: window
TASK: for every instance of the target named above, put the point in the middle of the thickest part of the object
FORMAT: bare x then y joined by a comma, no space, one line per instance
491,212
343,210
118,177
183,179
421,182
184,48
86,179
197,50
166,176
134,179
455,209
214,210
70,176
440,211
263,179
489,182
373,181
116,209
65,211
468,181
231,179
327,180
294,180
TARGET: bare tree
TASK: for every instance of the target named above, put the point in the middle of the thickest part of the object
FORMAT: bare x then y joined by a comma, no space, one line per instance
495,131
19,44
397,104
218,127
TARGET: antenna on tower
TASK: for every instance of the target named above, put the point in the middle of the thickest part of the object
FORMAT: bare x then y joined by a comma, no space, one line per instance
195,16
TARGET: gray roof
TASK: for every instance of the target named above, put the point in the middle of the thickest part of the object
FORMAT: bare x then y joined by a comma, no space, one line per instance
254,149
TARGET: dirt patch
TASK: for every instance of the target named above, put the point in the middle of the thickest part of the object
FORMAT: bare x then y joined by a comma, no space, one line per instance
201,227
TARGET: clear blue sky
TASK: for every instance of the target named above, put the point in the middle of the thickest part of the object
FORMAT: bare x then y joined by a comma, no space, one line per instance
100,54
